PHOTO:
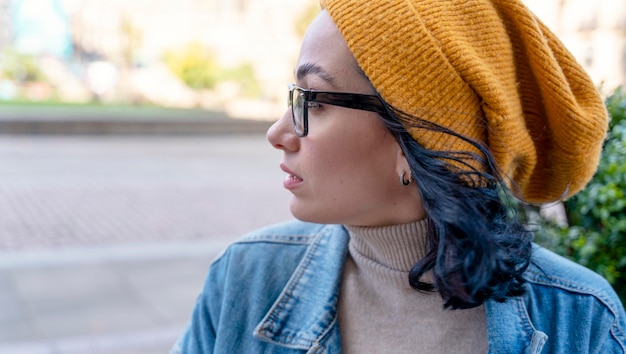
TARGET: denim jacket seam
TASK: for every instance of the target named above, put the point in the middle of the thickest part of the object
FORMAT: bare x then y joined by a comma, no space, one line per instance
559,283
287,296
616,328
277,238
576,287
306,240
319,340
529,327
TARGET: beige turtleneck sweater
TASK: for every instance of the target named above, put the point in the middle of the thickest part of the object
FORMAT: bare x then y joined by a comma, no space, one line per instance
380,313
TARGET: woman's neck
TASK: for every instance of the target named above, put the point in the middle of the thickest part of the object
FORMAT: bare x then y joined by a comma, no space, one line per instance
389,252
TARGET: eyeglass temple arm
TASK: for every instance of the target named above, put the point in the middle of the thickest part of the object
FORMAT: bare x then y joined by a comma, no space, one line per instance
370,103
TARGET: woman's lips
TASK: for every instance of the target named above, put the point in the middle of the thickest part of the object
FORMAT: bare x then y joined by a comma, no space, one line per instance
292,180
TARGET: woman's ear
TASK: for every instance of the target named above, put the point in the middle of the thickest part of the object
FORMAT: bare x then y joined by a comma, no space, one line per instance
407,183
402,164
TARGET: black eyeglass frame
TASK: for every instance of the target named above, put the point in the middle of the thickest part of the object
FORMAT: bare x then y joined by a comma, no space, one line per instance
364,102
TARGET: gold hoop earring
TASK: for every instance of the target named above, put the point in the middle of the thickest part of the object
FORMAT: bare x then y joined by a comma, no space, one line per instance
405,182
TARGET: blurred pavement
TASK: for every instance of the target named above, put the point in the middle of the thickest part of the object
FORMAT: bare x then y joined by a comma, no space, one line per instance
105,240
120,120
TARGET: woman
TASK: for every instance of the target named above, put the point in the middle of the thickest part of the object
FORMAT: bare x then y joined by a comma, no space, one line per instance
407,119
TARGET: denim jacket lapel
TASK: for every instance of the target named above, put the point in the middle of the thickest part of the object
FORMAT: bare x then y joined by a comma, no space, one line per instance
305,314
510,329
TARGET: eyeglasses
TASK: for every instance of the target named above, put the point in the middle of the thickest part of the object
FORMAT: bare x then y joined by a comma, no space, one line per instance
300,100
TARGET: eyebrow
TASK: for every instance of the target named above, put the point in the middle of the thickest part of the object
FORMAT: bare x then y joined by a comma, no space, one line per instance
310,68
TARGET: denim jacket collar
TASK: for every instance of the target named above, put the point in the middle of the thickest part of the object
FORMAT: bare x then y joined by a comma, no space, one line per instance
305,314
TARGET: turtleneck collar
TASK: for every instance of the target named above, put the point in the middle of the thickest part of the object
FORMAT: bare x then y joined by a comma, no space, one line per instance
388,253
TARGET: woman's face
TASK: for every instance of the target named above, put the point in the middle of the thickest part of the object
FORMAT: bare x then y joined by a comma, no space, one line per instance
347,169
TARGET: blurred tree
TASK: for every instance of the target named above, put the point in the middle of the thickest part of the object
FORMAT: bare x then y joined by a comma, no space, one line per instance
198,68
244,75
195,65
596,237
130,39
21,68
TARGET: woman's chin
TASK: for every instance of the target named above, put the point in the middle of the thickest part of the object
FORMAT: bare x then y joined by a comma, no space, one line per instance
306,213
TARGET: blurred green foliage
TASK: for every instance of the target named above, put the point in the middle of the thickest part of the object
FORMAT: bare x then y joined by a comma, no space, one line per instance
194,65
243,74
596,235
20,67
197,66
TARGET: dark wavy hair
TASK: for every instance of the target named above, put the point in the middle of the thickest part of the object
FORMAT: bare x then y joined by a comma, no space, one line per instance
477,250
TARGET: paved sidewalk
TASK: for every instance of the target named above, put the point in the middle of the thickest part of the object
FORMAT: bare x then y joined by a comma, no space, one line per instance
92,191
116,300
105,241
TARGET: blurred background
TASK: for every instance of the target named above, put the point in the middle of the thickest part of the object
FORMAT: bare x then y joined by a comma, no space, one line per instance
230,55
132,150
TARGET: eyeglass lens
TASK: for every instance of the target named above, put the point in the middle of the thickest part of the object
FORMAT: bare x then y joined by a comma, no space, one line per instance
297,110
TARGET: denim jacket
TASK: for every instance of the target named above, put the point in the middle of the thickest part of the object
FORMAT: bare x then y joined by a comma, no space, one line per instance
276,291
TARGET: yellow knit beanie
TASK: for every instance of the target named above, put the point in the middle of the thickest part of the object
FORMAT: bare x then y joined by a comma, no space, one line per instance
486,69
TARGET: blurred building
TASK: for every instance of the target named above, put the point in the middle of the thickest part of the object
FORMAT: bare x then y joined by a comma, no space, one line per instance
594,31
6,26
127,39
41,28
137,33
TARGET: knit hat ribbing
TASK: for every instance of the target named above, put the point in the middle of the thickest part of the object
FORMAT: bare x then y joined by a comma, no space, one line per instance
488,70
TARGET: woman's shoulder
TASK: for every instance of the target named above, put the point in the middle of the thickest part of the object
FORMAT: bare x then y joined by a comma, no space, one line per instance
265,259
286,230
552,273
270,243
549,268
293,231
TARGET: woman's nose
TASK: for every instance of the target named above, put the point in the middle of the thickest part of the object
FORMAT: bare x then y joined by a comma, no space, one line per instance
282,135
